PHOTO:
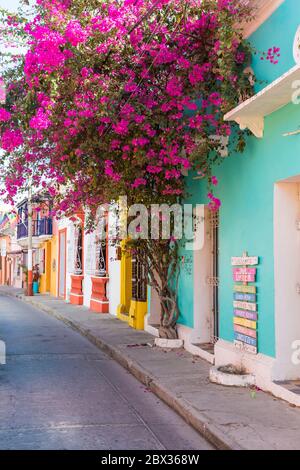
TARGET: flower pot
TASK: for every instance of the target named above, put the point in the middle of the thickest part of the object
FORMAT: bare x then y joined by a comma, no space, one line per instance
221,376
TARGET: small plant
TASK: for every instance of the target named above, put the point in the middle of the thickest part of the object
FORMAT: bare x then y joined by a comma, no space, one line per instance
233,370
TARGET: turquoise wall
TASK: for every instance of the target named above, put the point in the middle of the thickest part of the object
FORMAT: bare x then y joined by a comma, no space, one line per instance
246,190
279,30
246,187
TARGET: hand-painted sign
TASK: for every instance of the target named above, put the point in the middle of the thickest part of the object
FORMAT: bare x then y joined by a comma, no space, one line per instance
245,305
245,322
244,274
245,347
245,331
245,314
245,289
245,297
244,261
244,271
238,277
245,339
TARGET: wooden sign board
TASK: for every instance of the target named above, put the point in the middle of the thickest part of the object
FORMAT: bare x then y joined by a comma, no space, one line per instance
245,331
245,347
245,305
245,339
244,297
245,289
244,261
244,271
244,274
244,314
245,302
245,322
244,278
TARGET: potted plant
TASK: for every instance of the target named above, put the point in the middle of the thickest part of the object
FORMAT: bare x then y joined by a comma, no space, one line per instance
35,278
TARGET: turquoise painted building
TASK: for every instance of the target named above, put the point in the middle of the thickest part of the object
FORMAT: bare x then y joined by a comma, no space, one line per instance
260,216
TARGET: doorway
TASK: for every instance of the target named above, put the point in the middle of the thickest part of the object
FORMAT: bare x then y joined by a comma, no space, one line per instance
287,279
206,288
214,280
62,264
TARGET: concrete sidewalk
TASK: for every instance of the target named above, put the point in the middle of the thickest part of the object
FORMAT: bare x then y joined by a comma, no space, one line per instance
231,418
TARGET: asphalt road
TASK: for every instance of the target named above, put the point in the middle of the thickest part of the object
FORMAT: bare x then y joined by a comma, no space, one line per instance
58,391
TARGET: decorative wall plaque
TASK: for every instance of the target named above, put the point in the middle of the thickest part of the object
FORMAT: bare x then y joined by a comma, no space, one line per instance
245,320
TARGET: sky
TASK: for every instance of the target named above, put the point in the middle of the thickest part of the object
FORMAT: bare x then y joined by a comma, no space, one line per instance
9,4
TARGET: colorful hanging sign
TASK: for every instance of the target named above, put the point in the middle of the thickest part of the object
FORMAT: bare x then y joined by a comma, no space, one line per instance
244,261
245,320
245,314
245,305
245,289
245,339
245,331
250,346
244,274
245,297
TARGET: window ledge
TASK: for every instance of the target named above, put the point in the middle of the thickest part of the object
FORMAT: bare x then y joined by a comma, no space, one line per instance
251,113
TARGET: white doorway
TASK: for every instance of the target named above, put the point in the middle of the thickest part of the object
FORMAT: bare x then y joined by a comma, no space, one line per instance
287,278
62,264
206,286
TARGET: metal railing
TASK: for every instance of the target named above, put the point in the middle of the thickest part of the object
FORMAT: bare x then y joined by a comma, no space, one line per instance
39,228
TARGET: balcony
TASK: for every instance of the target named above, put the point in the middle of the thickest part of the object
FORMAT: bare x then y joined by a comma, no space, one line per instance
41,230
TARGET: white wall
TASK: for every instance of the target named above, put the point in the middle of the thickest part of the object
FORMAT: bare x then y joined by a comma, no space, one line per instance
114,269
70,252
114,284
202,290
89,253
287,276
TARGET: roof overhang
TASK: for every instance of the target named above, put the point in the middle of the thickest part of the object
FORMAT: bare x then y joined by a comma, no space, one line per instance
251,113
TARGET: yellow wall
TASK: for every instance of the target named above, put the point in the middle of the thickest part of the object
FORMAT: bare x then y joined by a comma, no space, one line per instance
131,311
43,288
54,266
48,280
126,284
45,281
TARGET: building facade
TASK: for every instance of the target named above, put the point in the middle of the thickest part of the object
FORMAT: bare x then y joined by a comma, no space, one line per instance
239,296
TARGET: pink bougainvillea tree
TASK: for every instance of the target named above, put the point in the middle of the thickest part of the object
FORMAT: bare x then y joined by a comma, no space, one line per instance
123,97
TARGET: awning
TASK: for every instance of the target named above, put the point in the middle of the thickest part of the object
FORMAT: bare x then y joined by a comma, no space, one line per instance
251,113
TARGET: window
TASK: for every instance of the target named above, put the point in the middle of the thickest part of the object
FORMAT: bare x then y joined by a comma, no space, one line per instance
102,246
42,256
78,250
139,278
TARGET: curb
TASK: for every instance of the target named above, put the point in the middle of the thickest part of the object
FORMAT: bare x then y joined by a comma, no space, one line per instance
192,416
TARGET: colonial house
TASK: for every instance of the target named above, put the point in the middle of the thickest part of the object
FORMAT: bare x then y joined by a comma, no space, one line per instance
240,297
42,233
11,256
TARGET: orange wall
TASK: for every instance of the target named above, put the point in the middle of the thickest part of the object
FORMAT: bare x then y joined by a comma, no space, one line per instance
4,265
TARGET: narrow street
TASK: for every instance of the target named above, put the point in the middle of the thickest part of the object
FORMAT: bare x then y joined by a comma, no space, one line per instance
58,391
